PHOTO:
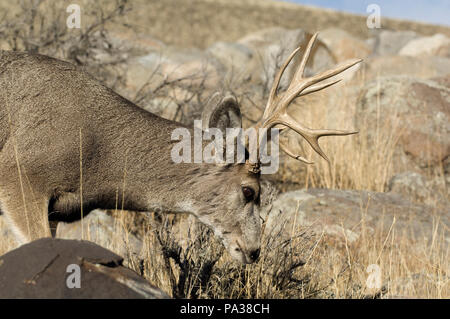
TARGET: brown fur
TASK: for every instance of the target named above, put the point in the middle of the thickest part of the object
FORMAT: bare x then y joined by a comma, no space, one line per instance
46,104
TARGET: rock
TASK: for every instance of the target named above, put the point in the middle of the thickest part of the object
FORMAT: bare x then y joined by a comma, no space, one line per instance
338,213
8,240
424,67
104,230
234,56
442,80
164,106
137,43
272,46
183,66
410,184
40,270
419,109
344,46
417,187
389,42
437,44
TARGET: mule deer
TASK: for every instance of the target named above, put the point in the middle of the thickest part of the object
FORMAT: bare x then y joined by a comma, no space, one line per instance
69,144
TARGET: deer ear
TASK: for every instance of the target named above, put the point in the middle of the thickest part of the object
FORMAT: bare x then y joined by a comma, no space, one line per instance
222,112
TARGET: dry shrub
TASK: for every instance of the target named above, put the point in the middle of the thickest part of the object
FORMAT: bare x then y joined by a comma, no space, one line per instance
184,258
39,26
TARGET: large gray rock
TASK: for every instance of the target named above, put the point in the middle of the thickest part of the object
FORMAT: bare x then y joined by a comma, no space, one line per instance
339,213
343,45
389,42
234,56
437,44
187,67
418,67
40,270
417,110
419,188
272,46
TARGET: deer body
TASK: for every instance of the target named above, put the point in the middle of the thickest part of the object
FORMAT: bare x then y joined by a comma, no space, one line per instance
51,112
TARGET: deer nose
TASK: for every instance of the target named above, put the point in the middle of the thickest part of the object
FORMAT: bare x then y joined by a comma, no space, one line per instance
254,254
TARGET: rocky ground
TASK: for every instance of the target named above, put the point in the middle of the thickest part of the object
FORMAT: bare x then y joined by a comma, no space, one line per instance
383,200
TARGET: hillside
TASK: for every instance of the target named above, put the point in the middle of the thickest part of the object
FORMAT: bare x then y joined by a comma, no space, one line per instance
200,23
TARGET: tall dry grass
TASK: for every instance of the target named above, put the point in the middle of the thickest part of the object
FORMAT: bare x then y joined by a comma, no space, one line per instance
183,258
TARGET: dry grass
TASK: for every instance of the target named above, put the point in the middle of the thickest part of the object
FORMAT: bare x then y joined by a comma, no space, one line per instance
183,258
199,23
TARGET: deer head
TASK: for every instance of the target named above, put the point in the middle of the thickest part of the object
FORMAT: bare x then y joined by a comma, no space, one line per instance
237,221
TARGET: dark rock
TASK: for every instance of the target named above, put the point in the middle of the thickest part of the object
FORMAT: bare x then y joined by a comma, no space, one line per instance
40,270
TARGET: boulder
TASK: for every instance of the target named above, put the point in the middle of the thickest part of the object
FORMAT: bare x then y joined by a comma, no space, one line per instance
388,42
338,213
343,45
43,269
437,44
418,111
234,56
185,67
418,67
418,187
272,46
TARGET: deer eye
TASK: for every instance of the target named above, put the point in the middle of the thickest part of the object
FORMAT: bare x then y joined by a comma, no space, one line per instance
248,192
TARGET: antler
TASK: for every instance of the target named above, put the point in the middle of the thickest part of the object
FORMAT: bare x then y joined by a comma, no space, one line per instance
276,108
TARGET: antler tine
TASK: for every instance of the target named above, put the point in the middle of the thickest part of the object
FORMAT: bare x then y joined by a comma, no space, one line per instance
296,78
318,87
298,75
312,136
285,149
276,82
299,87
